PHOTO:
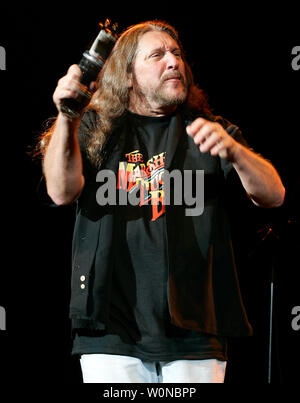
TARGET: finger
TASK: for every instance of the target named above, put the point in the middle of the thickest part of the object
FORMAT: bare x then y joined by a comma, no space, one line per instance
74,71
67,83
210,142
68,93
219,149
223,153
204,132
72,87
64,94
195,126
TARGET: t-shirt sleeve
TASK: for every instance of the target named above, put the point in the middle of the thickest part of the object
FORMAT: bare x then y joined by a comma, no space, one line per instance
87,126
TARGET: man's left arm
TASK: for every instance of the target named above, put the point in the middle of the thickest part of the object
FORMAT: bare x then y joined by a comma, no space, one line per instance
258,176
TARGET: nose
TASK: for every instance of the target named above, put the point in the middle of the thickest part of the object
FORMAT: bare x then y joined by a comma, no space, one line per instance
172,61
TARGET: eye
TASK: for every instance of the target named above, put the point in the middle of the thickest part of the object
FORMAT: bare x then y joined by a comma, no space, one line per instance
156,55
177,53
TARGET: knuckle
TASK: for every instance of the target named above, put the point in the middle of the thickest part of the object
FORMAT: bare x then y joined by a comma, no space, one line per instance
73,68
60,81
74,71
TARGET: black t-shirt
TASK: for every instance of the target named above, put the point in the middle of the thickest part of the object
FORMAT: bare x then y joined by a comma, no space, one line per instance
139,321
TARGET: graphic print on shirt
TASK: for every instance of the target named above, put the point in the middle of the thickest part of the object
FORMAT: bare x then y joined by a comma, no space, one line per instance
134,175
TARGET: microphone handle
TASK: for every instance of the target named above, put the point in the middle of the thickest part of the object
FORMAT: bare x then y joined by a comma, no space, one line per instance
90,67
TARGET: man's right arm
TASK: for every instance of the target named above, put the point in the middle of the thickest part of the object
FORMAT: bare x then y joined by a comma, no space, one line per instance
62,163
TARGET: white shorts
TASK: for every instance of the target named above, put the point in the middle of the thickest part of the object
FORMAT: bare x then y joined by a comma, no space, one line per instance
111,368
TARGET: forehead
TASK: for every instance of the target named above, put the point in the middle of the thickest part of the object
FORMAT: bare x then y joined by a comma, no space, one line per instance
155,40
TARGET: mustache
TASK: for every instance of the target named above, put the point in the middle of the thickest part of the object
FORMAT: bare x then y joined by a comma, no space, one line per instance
174,74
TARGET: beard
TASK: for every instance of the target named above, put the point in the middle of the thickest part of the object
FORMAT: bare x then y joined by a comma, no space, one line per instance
161,95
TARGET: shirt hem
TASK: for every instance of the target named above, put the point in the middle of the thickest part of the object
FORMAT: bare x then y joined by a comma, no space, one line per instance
156,357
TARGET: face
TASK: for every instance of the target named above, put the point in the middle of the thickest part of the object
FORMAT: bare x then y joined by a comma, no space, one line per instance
158,81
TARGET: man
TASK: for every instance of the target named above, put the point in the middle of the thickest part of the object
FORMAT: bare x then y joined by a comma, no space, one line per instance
154,290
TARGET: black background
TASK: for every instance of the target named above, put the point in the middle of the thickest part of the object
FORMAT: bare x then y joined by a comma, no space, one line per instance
242,59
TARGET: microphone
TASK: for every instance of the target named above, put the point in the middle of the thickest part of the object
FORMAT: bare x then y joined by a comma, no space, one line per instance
90,64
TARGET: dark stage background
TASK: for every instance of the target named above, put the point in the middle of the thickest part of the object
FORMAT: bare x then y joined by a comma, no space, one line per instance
243,61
